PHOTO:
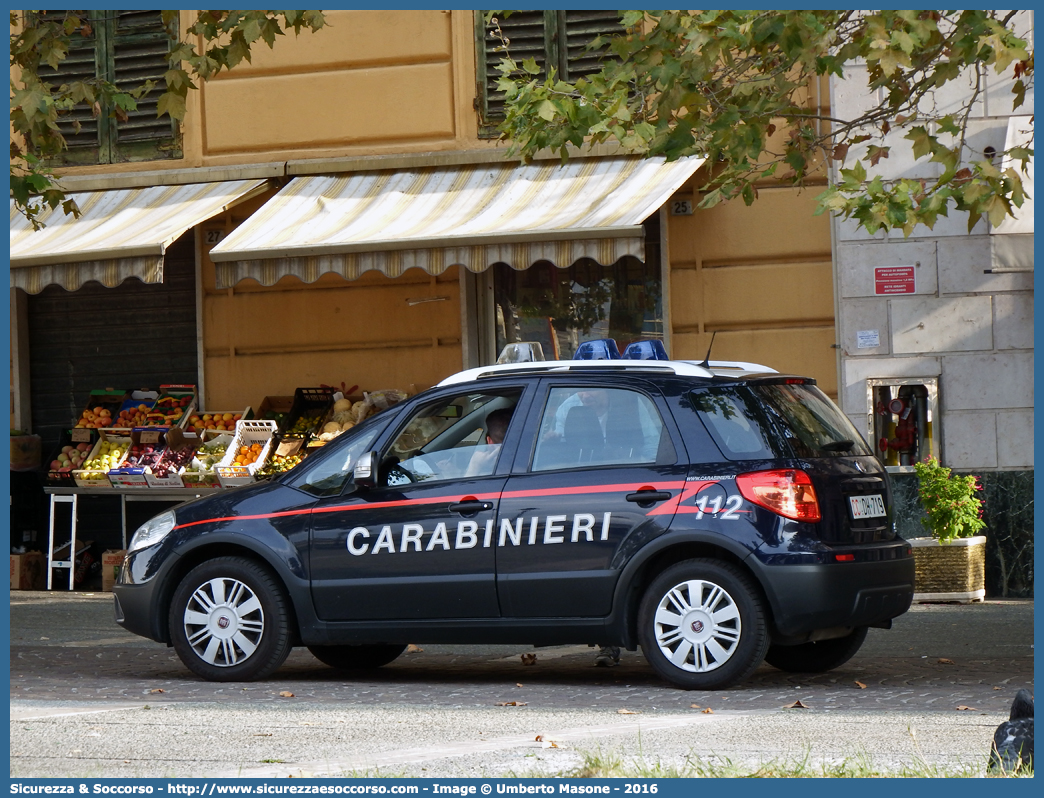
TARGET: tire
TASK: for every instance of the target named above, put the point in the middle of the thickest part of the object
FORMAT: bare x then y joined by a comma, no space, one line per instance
683,640
817,657
230,621
348,658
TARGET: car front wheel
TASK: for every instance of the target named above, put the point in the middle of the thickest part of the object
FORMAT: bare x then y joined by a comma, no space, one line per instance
356,657
701,625
817,657
230,621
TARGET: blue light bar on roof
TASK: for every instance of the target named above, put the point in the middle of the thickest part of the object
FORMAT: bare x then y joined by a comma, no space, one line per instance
645,350
604,349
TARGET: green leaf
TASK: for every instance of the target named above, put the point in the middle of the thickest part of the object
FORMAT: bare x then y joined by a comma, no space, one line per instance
547,110
172,104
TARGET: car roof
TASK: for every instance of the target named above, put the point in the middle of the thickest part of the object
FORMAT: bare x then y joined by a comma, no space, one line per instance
680,368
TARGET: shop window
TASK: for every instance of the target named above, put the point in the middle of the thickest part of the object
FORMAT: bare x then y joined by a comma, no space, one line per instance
126,48
556,38
562,308
900,422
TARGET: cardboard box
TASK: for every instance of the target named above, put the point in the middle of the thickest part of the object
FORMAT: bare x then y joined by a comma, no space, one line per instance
176,403
95,477
275,408
131,472
25,452
180,446
112,562
27,571
204,420
107,399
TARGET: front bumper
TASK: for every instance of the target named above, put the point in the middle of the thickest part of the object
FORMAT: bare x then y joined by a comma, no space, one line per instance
138,596
805,598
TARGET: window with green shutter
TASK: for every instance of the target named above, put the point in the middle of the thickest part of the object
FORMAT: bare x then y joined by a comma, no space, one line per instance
559,38
126,48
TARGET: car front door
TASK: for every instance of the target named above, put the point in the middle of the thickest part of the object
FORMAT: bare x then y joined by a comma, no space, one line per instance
419,544
597,475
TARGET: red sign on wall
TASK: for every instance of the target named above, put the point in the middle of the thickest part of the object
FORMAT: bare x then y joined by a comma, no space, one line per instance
893,280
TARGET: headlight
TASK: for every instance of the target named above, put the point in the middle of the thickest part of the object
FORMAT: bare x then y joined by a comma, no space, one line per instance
153,531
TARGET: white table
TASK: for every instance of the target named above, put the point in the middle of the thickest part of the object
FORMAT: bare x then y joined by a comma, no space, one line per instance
71,496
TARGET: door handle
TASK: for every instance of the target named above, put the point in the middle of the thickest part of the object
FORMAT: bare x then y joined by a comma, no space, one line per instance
648,496
470,507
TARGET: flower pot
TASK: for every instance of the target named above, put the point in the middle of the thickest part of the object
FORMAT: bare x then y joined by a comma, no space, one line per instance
954,571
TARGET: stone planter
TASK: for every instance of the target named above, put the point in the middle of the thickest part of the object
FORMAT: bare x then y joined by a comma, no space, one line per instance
954,571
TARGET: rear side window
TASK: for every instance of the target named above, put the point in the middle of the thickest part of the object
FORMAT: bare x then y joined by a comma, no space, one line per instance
732,418
770,420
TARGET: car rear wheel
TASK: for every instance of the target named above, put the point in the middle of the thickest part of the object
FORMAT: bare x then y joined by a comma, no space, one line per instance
357,657
701,625
230,621
817,657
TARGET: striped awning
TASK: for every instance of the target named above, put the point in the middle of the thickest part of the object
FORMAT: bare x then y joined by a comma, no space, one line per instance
1011,242
120,233
436,217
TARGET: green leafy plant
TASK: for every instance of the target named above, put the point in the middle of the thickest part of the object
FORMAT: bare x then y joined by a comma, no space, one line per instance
733,86
951,506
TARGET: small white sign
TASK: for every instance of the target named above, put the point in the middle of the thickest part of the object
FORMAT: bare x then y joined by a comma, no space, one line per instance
868,339
681,207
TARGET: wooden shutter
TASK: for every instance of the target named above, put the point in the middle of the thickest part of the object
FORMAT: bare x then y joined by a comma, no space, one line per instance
529,36
126,48
550,37
81,129
576,30
139,53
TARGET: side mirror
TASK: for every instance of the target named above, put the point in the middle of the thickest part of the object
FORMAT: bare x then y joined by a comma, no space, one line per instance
364,475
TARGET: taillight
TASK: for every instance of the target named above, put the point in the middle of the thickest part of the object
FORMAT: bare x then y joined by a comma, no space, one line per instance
788,492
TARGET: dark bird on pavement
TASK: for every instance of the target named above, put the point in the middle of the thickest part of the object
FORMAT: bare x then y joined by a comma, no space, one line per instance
1013,740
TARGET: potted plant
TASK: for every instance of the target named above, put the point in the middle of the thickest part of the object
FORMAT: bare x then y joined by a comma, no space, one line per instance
951,564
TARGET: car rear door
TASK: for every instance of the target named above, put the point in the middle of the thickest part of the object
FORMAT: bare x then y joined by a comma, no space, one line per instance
598,473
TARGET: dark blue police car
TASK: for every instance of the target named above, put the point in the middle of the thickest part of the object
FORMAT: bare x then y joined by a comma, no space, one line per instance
715,514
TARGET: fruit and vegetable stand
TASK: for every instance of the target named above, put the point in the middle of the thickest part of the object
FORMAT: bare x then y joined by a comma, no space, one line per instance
155,446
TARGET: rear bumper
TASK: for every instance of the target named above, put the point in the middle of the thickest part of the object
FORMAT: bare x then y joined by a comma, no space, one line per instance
805,598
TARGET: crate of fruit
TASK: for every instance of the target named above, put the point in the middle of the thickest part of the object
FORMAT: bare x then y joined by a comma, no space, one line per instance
280,463
108,453
146,450
67,457
174,406
200,471
103,406
247,453
311,406
220,420
180,450
134,412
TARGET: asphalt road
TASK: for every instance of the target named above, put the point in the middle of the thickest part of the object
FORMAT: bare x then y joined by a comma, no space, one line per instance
88,699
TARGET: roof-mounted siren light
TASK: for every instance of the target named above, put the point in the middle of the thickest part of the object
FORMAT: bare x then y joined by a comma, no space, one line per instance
522,352
602,349
645,350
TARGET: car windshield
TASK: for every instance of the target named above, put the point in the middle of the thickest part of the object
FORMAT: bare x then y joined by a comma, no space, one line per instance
814,426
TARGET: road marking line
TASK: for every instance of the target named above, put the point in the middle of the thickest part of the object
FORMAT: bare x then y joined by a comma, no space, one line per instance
42,714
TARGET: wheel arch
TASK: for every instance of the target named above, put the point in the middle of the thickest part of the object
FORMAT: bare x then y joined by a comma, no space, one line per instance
660,555
211,549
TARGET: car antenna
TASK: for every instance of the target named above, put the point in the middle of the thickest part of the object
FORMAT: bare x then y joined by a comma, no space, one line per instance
706,360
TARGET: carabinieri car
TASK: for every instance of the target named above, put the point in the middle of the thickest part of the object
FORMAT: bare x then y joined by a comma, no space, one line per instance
715,514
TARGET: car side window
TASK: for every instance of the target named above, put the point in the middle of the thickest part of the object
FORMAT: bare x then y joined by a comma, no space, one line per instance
455,438
588,426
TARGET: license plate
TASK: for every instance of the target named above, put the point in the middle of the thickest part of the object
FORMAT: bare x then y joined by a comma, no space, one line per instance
867,506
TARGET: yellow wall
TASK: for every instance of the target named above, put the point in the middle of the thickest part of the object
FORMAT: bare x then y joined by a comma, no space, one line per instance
266,341
759,276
